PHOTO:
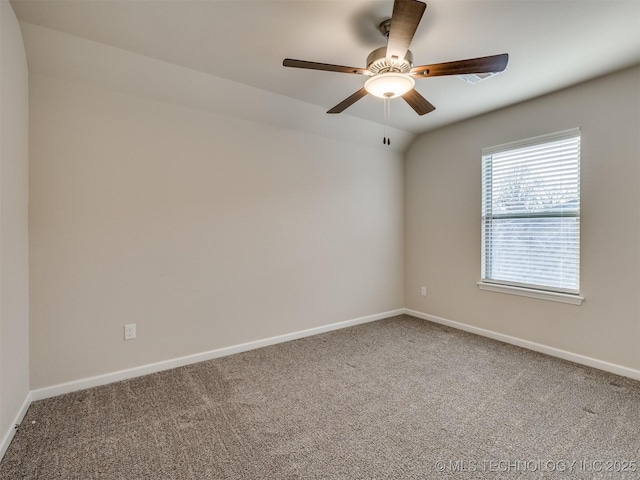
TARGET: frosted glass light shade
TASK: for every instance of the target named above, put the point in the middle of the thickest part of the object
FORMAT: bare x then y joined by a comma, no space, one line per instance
389,84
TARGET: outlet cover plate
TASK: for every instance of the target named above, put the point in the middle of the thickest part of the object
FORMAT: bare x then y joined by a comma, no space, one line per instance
130,331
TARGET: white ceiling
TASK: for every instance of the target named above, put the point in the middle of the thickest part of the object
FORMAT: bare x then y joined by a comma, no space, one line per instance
551,44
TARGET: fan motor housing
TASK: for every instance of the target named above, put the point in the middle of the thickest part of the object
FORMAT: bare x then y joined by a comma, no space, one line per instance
377,62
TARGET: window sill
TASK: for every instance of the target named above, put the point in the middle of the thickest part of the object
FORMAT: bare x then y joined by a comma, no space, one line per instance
529,292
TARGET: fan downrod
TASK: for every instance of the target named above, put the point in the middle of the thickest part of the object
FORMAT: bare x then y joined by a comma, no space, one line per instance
385,27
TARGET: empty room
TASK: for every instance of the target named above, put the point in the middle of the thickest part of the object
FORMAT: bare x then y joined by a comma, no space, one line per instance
269,239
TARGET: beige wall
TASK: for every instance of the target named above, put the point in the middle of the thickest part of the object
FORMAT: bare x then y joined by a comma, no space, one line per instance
442,213
14,266
205,230
208,230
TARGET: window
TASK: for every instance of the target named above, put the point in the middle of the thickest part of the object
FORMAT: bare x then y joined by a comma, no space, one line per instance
531,216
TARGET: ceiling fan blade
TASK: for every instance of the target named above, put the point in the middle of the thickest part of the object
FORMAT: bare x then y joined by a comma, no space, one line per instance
420,104
494,63
347,102
404,22
290,62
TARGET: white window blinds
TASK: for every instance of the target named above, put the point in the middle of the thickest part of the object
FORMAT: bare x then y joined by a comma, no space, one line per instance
531,213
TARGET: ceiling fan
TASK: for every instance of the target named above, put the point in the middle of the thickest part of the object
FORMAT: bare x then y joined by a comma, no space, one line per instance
390,68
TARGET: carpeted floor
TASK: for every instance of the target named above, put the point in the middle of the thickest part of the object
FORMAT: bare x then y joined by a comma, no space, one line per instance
397,398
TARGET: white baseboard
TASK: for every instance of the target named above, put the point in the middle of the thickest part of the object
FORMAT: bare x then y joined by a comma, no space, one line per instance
6,440
98,380
54,390
536,347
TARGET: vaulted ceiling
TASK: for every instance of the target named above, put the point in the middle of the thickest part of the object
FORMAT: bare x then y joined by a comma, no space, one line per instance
551,44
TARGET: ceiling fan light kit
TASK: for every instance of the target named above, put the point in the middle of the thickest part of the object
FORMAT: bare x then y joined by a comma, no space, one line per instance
388,81
391,69
389,84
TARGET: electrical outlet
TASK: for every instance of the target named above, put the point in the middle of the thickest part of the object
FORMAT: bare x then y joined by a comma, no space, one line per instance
423,291
130,331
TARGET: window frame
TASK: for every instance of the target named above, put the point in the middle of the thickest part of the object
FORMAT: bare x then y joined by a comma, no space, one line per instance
546,292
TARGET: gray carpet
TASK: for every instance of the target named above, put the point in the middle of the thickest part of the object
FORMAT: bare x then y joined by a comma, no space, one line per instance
397,398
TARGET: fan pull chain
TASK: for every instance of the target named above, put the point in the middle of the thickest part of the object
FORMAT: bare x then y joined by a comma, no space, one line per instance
387,119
